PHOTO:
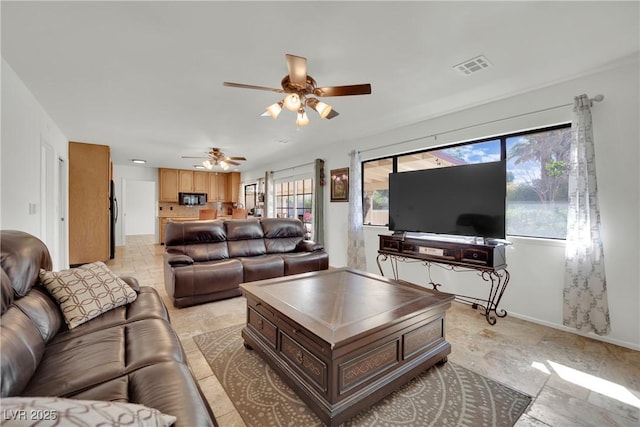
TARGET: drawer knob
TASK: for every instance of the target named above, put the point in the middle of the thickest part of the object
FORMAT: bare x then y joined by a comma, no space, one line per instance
260,323
299,357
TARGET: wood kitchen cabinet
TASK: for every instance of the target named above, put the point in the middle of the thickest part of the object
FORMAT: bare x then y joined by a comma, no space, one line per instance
185,181
168,185
233,187
192,181
217,187
200,182
89,216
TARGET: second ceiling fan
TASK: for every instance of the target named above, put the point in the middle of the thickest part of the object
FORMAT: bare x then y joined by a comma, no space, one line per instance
215,157
302,91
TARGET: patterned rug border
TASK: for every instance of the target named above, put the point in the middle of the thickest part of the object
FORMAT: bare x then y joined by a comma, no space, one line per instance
520,403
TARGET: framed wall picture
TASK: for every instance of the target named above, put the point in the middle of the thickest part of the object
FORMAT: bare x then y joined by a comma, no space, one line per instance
340,185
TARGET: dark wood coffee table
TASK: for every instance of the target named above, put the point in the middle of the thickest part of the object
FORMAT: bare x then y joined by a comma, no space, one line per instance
343,339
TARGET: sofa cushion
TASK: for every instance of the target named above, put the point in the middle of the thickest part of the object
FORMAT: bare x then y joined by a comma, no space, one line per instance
22,256
243,229
22,349
30,411
6,293
43,312
303,262
262,267
166,386
204,278
246,248
148,305
72,365
282,227
86,291
282,235
192,232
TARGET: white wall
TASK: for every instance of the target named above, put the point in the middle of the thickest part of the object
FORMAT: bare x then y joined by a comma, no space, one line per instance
139,207
25,126
129,173
536,266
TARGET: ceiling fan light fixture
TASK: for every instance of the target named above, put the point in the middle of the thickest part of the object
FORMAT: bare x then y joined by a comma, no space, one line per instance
275,109
207,164
322,108
224,165
302,119
292,102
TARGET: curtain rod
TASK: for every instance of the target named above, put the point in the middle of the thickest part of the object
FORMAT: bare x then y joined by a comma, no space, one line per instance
293,167
597,98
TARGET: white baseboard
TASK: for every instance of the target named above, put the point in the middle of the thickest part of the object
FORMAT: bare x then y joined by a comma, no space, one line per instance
632,346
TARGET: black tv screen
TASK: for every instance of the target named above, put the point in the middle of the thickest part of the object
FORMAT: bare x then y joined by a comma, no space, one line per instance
467,200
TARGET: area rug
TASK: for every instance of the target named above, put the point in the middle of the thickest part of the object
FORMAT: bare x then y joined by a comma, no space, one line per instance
447,395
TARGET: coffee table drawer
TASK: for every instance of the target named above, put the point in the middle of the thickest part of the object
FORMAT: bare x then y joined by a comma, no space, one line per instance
266,329
305,362
423,338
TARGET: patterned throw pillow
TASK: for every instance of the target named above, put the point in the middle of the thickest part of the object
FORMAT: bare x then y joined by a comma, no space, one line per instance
56,411
86,291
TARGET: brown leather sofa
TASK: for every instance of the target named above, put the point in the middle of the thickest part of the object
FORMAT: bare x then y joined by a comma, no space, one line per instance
128,354
207,260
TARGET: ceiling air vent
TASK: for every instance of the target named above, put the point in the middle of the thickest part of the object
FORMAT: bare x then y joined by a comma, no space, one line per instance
473,65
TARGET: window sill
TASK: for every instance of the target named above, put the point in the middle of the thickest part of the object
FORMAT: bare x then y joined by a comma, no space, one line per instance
538,241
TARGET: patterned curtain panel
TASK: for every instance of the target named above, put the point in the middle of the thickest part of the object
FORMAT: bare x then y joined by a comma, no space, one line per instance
586,307
269,207
355,236
318,202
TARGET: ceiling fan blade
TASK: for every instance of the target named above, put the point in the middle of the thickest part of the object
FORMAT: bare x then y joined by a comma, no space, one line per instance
236,158
297,66
232,162
333,113
362,89
244,86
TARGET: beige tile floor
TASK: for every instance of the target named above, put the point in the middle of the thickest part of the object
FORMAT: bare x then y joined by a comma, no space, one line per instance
575,381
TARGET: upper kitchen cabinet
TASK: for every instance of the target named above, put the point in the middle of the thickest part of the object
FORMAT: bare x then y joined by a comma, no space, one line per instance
217,187
89,215
168,185
185,181
200,182
233,187
193,181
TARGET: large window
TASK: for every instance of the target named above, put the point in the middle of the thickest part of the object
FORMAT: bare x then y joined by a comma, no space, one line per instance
536,178
294,199
537,183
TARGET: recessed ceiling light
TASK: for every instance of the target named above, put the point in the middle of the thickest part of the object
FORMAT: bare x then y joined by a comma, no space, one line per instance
198,166
139,161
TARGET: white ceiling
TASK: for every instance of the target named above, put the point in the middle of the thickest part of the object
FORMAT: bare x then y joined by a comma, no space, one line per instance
146,77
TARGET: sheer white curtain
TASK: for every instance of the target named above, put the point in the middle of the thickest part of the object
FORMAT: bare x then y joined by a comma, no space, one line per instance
586,307
355,235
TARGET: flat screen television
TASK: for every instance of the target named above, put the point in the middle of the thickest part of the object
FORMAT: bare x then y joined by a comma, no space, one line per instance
466,200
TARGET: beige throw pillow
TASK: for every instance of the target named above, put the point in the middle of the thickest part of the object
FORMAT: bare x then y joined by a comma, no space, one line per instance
86,291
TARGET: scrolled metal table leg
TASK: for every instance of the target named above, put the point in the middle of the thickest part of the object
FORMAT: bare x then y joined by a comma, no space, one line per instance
498,286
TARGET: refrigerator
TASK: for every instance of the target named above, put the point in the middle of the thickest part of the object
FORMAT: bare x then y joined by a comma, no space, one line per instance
113,218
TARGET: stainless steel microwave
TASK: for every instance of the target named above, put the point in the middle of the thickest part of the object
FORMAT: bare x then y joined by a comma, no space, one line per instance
192,199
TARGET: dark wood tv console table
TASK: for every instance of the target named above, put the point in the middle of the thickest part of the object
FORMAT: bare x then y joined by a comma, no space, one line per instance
487,260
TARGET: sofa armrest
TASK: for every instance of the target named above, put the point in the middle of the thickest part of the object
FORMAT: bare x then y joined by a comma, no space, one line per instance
133,282
309,246
176,260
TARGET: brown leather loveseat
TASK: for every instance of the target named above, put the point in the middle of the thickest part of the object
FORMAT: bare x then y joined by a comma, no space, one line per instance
207,260
127,355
